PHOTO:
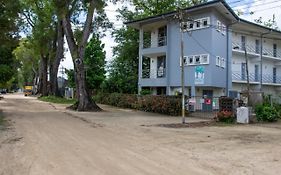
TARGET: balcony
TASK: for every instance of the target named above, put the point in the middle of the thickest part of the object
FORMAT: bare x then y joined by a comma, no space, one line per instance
254,51
269,79
159,42
153,73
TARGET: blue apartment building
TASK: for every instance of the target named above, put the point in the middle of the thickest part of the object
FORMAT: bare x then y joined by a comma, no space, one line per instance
215,40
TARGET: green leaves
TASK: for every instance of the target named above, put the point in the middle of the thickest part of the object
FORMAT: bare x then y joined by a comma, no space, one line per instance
95,63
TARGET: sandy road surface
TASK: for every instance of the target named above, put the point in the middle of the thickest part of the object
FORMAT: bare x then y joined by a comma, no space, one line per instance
46,139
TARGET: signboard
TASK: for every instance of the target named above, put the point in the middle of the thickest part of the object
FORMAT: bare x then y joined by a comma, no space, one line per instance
199,74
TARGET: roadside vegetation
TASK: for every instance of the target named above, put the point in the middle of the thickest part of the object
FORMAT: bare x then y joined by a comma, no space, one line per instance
54,99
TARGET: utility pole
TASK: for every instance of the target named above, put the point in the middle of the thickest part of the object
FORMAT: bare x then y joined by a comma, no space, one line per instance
179,16
248,78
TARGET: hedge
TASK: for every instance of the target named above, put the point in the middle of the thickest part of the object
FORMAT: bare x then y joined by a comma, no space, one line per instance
169,105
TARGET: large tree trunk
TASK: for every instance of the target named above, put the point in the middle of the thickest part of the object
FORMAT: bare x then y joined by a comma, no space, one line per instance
54,66
43,81
85,102
44,75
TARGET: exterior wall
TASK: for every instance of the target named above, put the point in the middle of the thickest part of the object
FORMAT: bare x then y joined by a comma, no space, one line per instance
202,41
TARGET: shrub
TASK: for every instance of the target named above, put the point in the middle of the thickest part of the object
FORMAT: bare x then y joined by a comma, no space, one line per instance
266,113
225,116
145,92
170,105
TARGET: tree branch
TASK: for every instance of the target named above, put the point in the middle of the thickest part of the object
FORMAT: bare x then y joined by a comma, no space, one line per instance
88,24
69,36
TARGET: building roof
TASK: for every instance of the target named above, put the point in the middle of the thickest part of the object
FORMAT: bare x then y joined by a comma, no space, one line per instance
220,5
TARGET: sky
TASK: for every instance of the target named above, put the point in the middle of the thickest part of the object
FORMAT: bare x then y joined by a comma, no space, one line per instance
261,8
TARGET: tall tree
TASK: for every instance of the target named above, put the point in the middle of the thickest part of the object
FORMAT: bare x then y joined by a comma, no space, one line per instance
95,63
29,62
58,49
67,11
9,20
39,14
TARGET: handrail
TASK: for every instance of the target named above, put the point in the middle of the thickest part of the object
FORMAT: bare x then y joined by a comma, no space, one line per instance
256,50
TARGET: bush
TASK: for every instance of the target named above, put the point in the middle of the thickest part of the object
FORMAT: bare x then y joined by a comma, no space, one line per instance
225,116
170,105
266,113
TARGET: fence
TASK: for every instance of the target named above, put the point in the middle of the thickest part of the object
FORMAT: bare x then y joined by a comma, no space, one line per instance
203,104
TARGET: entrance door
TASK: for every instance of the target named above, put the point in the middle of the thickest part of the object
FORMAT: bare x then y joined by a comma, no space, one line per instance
208,101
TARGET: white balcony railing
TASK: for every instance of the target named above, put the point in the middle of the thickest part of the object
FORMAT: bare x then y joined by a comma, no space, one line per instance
149,43
154,73
252,49
266,78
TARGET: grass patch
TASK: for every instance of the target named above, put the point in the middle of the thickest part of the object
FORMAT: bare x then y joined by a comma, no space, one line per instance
54,99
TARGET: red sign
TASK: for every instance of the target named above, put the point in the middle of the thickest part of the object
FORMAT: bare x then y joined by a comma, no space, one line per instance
207,101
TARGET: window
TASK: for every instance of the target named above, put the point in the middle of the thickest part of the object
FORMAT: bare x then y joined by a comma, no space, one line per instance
223,29
218,61
162,33
185,26
184,60
205,22
257,49
190,26
218,26
243,42
222,63
204,59
274,50
197,59
198,24
190,60
161,66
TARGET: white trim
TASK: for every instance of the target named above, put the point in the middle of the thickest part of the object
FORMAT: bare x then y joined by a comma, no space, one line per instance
201,59
194,24
218,59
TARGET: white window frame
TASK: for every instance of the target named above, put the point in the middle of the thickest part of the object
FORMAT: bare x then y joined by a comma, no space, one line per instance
188,25
201,24
223,29
208,22
218,60
202,58
218,27
185,26
184,61
199,57
198,22
222,63
188,60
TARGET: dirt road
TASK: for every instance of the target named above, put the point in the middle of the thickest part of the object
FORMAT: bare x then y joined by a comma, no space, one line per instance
46,139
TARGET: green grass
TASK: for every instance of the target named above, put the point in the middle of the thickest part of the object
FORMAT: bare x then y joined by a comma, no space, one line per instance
54,99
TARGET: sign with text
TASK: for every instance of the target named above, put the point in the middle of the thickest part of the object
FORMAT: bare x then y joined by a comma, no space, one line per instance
199,74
